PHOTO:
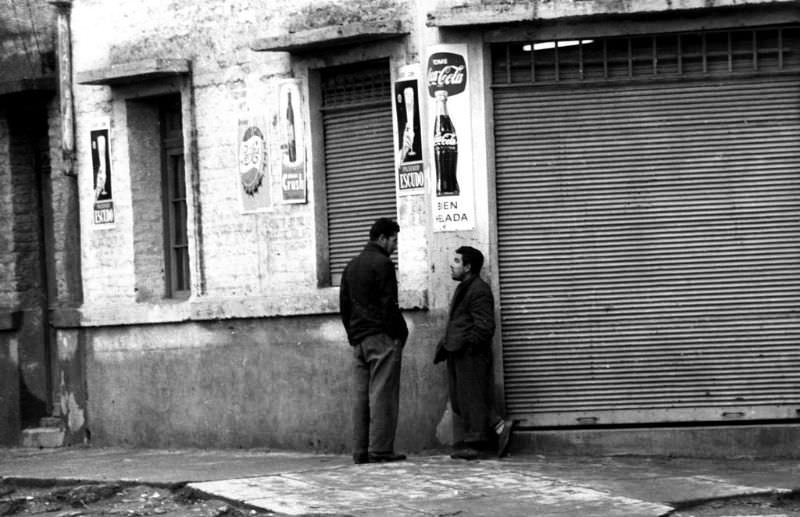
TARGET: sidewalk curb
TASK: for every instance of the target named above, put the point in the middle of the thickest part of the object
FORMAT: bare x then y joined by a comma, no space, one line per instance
691,503
33,482
242,504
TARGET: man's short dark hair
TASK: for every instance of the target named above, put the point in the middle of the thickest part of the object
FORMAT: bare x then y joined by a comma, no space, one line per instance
383,226
472,258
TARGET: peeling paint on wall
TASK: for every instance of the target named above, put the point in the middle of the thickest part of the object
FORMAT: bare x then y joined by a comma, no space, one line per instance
66,347
444,430
74,413
13,351
70,409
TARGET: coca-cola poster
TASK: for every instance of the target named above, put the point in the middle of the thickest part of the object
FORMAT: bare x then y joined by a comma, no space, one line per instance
451,138
101,172
290,133
410,170
253,164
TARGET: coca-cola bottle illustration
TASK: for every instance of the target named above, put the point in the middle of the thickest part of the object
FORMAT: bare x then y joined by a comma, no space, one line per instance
445,149
291,146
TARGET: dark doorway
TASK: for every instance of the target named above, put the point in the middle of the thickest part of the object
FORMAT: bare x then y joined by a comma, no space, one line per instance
29,165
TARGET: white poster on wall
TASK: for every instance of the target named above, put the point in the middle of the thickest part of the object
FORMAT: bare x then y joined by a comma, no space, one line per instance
408,147
253,164
103,213
290,136
451,124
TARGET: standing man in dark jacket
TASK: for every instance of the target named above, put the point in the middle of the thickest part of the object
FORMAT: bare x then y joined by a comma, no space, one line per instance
467,348
377,331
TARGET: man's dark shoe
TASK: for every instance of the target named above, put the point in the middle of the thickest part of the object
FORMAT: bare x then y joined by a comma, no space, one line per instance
360,457
504,437
385,457
465,454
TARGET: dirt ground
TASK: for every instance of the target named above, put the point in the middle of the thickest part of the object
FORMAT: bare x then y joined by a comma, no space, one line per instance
94,500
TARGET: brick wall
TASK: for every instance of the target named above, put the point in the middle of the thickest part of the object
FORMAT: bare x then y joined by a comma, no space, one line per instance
257,267
27,170
26,210
267,254
32,255
148,215
8,291
62,220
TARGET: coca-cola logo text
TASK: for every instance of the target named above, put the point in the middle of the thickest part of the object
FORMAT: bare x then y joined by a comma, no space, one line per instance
445,139
448,72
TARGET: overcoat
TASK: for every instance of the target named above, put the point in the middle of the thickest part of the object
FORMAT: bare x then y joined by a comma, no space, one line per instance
470,325
467,347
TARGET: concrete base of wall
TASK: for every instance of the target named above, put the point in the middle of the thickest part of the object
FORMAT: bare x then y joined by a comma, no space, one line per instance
743,441
280,383
43,438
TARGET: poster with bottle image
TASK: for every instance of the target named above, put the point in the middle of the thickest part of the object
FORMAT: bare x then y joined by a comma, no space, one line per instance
103,214
253,164
451,125
290,135
410,170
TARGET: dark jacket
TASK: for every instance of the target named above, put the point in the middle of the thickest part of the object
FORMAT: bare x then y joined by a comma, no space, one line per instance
470,326
368,297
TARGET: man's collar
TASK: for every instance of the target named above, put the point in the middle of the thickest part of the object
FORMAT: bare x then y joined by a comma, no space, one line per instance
468,279
374,246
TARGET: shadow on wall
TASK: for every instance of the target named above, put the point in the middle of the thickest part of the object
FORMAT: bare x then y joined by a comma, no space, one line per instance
9,397
32,408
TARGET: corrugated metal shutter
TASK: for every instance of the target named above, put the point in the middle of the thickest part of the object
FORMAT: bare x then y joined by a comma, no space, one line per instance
649,247
359,157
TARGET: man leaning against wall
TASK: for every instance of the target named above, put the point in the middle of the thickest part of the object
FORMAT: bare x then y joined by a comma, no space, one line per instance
467,349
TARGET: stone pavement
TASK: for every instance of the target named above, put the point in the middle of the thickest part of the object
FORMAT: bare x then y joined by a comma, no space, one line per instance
425,485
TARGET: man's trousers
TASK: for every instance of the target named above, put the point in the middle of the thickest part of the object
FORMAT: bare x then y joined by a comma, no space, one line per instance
377,393
469,379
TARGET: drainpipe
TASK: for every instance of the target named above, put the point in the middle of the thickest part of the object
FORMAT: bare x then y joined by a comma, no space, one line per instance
67,354
64,50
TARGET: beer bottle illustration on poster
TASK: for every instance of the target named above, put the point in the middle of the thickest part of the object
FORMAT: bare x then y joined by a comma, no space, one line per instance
291,142
289,127
453,203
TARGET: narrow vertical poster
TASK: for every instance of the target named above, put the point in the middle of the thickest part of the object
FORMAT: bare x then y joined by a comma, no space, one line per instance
410,171
101,172
453,199
291,136
253,163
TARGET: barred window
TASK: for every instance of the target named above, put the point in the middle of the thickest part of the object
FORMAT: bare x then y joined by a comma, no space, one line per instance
627,58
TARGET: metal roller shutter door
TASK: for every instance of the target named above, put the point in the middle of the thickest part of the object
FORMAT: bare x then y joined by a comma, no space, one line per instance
649,247
359,158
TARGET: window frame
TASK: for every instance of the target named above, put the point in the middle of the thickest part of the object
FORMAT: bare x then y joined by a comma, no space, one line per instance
174,200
